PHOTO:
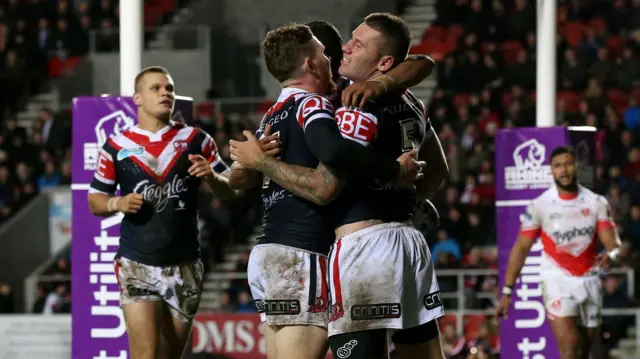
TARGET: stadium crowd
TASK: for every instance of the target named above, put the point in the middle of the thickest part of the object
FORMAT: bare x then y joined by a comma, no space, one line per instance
486,81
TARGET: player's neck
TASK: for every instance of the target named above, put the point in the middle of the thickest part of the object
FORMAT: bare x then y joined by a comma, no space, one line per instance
566,193
151,124
302,85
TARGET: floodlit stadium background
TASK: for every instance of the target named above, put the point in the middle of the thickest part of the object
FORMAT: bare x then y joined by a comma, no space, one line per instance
52,51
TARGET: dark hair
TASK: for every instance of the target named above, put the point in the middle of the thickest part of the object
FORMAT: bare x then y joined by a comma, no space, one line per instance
148,70
331,39
561,150
285,48
395,33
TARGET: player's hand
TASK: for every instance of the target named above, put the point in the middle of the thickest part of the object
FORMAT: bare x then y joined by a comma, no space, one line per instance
270,144
413,169
358,93
247,153
130,204
200,167
604,261
502,310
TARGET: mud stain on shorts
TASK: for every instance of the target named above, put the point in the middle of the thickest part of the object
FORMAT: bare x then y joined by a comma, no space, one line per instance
284,275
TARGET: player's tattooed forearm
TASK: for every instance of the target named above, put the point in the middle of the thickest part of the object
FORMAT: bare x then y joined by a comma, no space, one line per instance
318,185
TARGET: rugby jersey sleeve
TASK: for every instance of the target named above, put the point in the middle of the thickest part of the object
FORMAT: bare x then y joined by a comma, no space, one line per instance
357,125
604,215
429,132
104,179
209,150
330,145
530,222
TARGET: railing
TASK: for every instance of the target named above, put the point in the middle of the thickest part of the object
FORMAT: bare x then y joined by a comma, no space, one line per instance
175,38
461,295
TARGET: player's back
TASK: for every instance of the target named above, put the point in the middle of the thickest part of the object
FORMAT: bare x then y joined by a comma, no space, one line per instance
568,229
288,219
394,124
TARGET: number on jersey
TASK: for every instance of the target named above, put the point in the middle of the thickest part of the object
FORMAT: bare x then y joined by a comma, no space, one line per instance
408,128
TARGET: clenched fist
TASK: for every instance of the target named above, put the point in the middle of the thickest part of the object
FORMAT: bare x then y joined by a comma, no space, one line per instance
130,204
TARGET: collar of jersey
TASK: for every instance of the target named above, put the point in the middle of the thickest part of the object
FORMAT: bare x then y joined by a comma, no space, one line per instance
290,91
153,137
568,198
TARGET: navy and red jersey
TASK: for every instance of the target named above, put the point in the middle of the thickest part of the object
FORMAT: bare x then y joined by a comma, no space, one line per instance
164,232
393,124
288,219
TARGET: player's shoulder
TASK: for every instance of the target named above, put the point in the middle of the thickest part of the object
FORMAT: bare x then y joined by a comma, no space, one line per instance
546,198
311,102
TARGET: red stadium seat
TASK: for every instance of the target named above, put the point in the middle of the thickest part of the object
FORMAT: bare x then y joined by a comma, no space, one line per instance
434,33
570,99
461,99
471,325
614,45
205,109
573,33
598,24
510,51
618,97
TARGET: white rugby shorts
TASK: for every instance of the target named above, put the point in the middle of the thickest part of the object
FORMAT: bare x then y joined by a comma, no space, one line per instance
382,277
180,287
569,296
288,285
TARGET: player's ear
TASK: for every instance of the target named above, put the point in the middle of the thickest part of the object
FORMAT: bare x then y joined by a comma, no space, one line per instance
137,99
386,63
308,66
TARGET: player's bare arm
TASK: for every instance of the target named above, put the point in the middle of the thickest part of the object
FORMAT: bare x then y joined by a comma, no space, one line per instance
518,255
319,185
432,153
407,74
608,236
104,205
218,183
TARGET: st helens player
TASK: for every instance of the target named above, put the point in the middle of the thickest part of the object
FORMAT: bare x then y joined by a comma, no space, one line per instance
569,219
159,166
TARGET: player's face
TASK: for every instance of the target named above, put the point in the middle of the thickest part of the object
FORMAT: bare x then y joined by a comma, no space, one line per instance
155,95
322,68
360,56
563,169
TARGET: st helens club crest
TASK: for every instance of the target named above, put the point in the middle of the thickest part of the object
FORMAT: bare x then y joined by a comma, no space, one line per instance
585,212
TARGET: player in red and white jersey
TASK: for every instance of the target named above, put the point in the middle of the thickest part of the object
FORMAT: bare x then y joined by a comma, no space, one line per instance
159,166
569,219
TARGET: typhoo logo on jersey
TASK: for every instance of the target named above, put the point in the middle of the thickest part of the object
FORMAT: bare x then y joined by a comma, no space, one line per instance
566,237
112,124
528,171
160,194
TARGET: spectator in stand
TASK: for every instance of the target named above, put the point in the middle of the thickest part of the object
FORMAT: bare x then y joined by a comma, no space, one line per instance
454,345
446,245
55,300
245,303
7,304
50,177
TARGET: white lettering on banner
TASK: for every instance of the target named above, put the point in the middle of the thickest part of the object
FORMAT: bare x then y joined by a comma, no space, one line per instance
35,336
112,124
528,171
229,337
528,297
103,281
160,194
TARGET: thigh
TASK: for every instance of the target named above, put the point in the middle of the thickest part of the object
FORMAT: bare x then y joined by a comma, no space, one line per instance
419,342
592,307
174,335
300,342
288,285
182,290
144,321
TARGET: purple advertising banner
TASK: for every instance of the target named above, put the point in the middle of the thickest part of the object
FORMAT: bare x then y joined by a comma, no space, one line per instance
522,174
97,324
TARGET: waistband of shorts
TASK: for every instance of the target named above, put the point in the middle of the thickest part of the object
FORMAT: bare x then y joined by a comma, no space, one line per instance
288,247
375,228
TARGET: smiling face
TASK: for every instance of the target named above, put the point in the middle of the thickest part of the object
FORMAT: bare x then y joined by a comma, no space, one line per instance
361,55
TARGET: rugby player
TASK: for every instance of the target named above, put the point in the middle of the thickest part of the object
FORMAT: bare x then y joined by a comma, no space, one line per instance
569,219
159,166
380,270
410,72
287,268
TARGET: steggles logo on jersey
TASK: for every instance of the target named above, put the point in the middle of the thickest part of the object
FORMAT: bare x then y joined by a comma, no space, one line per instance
160,194
528,171
566,237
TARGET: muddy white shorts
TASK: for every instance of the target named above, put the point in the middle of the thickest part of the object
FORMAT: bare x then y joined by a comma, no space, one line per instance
288,285
568,296
179,286
382,277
